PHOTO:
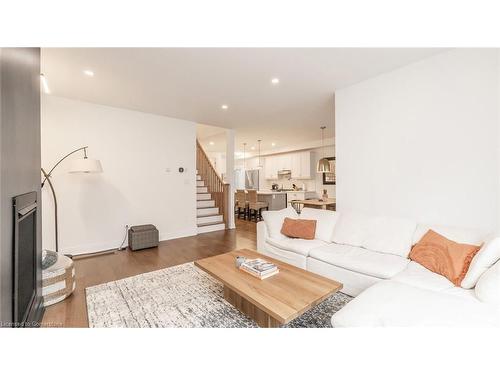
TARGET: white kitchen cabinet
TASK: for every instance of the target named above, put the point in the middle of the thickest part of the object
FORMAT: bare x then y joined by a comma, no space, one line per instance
305,165
283,161
295,161
270,168
298,162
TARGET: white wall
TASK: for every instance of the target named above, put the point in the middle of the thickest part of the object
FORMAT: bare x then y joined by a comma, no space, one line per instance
423,141
135,150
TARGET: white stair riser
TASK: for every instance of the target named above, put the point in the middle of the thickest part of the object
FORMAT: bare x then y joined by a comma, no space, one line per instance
203,196
207,211
209,219
200,183
202,189
204,204
211,228
198,178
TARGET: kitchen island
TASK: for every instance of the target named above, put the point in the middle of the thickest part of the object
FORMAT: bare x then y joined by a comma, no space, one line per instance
277,200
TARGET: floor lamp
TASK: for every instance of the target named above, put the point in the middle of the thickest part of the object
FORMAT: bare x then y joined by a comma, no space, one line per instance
84,165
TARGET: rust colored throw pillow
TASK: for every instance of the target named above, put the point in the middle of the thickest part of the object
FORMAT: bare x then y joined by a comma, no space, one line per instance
299,228
443,256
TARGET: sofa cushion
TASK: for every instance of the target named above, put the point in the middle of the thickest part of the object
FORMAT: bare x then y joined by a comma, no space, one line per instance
325,222
417,275
274,221
296,245
379,233
482,261
351,229
488,285
390,303
360,260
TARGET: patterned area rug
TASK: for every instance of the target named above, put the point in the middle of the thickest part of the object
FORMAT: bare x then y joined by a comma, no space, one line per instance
181,296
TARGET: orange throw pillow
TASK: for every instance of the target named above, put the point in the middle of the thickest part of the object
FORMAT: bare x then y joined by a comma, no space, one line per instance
299,228
443,256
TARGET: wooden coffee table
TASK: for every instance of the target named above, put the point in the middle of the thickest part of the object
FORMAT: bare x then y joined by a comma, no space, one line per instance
273,301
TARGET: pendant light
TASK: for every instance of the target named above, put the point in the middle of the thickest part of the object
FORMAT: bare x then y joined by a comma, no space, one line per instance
260,164
323,163
244,157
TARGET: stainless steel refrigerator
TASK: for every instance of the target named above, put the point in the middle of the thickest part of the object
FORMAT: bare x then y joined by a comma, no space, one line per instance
252,179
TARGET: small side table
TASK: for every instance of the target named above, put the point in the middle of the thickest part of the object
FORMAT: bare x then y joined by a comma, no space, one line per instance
58,281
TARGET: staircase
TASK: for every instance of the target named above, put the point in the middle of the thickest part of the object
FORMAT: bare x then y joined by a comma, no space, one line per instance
211,195
208,217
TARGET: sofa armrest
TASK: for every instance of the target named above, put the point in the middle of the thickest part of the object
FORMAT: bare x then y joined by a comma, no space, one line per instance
261,235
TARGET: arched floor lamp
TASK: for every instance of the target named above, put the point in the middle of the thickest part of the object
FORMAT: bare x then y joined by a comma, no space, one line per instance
84,165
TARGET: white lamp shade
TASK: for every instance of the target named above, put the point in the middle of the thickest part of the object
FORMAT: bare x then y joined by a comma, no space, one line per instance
324,166
85,166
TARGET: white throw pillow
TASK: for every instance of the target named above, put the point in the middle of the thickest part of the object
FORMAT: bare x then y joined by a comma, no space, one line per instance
488,285
325,222
274,221
482,261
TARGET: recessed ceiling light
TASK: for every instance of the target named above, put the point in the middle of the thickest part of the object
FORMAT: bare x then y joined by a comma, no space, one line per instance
89,73
211,143
45,84
275,81
273,144
224,106
252,148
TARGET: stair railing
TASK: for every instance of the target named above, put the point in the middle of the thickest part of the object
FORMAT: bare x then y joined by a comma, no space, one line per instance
214,182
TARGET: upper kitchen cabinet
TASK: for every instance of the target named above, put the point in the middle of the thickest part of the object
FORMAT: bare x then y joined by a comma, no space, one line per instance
298,162
270,168
284,161
302,168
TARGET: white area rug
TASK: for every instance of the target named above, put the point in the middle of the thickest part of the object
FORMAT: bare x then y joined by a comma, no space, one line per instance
181,296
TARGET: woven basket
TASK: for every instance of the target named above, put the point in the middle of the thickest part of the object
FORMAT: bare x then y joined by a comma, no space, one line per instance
58,281
142,237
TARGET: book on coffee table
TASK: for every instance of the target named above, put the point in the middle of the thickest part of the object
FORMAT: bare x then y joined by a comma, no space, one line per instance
259,268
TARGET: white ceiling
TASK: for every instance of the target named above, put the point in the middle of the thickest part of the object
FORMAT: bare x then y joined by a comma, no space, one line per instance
193,83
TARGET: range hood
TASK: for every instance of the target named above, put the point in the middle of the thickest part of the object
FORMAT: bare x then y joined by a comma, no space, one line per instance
285,173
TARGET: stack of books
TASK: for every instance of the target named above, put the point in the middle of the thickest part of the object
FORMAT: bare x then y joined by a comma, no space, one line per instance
259,268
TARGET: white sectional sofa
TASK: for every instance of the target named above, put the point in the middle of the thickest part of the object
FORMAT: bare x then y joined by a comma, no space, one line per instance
369,255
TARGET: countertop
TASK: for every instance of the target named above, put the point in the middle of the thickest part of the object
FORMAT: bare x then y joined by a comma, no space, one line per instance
262,192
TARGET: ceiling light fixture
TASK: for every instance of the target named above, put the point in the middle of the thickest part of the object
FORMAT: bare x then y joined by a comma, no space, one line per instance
323,163
44,83
211,143
224,106
275,81
89,73
252,148
273,144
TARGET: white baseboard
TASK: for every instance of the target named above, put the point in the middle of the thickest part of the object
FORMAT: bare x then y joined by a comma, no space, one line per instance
105,246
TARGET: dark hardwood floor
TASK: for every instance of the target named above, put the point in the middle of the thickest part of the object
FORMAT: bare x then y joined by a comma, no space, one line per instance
72,312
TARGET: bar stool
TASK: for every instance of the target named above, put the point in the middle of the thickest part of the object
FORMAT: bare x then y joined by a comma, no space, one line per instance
241,203
255,206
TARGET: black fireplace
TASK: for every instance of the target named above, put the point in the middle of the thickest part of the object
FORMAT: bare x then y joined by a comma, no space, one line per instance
26,303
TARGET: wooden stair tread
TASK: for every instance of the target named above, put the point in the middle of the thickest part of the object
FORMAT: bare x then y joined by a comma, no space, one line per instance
208,215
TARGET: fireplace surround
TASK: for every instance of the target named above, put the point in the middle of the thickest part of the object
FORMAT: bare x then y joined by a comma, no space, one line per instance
27,303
